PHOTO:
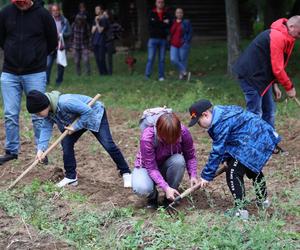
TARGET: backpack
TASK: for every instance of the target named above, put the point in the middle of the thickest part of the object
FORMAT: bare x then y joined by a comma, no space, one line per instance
150,117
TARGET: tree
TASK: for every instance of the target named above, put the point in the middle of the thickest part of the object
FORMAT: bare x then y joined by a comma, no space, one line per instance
274,9
233,32
296,8
141,6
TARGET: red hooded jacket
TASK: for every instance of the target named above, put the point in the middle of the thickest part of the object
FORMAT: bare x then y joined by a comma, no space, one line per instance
265,59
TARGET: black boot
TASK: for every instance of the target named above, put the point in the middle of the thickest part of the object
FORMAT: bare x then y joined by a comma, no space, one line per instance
152,202
7,157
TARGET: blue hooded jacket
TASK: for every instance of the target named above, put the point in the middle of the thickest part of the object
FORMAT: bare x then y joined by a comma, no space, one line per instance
242,135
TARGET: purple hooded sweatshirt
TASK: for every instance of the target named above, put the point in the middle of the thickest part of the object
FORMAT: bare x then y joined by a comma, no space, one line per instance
152,157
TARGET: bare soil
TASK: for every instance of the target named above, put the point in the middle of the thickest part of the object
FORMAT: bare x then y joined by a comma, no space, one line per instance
100,182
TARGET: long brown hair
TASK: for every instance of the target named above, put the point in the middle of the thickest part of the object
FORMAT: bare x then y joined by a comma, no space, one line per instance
168,128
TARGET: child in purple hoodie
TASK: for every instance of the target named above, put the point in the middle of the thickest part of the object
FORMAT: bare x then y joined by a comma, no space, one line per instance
162,161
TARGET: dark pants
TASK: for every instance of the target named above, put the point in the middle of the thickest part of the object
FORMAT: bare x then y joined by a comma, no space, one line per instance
105,139
264,106
99,51
110,50
84,55
235,181
60,69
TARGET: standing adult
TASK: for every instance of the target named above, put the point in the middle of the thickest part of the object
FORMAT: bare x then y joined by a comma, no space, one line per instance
181,36
80,43
63,32
263,64
111,36
159,24
27,35
99,30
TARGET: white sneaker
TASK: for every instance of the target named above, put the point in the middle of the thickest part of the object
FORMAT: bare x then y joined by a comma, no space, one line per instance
188,76
242,213
161,79
66,181
127,180
266,204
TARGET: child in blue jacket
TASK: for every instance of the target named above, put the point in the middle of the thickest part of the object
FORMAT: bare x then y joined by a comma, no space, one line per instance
244,141
63,109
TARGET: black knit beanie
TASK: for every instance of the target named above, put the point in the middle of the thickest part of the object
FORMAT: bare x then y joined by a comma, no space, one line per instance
36,102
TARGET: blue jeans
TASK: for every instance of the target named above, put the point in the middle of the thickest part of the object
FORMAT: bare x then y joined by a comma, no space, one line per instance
60,69
264,106
99,52
153,45
172,171
12,87
105,139
179,57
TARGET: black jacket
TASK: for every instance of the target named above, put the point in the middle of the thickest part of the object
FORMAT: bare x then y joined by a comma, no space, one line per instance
157,28
26,37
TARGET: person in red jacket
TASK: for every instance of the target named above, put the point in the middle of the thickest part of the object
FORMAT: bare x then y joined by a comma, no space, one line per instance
262,66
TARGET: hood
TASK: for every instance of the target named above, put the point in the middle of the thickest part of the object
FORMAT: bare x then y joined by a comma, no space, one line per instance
53,97
280,25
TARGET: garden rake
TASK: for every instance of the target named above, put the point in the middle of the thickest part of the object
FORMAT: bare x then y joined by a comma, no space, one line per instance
61,137
172,211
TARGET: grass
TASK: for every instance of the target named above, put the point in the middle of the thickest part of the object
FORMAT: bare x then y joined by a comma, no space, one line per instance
87,227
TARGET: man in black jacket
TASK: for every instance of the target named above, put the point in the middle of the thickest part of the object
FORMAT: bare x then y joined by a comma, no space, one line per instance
159,25
27,35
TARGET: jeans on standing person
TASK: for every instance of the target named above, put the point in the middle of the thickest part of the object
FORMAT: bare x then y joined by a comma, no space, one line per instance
12,87
84,54
179,57
153,45
60,69
263,106
105,139
172,170
99,51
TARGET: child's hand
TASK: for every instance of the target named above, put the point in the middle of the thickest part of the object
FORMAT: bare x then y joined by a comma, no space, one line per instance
40,156
194,181
204,183
70,129
171,193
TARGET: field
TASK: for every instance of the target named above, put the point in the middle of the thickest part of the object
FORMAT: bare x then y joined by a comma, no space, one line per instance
100,214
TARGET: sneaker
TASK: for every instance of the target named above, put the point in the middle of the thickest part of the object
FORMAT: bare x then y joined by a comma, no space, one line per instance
152,204
242,213
7,157
66,181
161,79
264,205
127,180
188,78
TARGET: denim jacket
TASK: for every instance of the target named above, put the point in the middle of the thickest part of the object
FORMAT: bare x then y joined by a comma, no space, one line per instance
242,135
187,31
69,107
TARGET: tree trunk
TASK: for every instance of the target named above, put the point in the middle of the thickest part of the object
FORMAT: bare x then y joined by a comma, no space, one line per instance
233,33
141,6
274,9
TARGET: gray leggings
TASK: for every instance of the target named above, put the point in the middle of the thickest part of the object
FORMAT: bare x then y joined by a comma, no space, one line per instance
172,171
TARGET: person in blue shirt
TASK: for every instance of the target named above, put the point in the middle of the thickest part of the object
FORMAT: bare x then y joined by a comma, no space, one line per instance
243,141
62,110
